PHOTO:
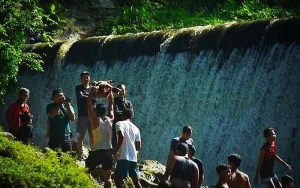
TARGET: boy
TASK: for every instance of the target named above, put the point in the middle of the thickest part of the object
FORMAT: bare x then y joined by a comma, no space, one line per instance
223,171
267,156
24,133
238,178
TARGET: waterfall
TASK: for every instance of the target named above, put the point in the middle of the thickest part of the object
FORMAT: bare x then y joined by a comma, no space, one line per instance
228,82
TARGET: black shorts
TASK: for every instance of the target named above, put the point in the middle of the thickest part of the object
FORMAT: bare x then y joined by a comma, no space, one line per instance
101,156
23,133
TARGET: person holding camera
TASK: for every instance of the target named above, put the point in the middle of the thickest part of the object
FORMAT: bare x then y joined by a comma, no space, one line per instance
60,113
83,124
120,103
101,123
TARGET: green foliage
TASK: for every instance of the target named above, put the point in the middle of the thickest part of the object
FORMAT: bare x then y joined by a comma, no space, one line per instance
26,166
146,15
21,21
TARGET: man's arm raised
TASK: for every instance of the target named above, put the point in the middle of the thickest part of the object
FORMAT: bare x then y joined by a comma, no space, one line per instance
91,113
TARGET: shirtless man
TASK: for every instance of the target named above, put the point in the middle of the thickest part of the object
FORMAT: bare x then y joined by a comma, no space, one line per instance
238,179
183,171
224,172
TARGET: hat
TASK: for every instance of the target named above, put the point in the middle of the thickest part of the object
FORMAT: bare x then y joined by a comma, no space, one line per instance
84,73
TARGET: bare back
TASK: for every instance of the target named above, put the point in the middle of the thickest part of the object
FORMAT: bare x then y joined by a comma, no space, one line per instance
222,185
239,180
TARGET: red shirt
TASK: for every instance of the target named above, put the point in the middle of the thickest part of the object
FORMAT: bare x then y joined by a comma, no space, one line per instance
267,166
13,115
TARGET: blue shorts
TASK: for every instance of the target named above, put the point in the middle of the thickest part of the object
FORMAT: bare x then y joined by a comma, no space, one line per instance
124,166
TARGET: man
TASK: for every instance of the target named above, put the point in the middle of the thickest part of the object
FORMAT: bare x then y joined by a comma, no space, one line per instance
128,145
238,179
223,171
82,93
191,155
184,172
102,129
185,138
287,181
120,103
60,113
14,111
267,157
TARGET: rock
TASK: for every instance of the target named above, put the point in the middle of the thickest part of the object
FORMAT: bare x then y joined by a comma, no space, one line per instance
80,160
7,135
151,171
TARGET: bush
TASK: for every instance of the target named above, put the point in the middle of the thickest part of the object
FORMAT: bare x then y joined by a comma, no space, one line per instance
26,166
22,21
146,15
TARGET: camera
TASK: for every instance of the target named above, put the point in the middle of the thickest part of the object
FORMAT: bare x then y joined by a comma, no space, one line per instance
67,99
102,88
115,90
102,82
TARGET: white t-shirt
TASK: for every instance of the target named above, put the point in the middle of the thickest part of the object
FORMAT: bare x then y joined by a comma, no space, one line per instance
131,135
102,135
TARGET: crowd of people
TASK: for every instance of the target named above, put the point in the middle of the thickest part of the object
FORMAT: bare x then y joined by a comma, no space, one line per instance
115,140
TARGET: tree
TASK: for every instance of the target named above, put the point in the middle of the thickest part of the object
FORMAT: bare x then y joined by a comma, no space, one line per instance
20,20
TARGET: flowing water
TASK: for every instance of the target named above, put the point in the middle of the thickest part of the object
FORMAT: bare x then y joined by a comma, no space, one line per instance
228,82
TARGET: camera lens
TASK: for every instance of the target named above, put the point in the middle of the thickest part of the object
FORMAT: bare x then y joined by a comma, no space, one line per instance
68,99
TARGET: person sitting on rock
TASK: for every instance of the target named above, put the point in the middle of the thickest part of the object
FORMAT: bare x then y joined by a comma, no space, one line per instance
191,155
186,137
24,133
183,171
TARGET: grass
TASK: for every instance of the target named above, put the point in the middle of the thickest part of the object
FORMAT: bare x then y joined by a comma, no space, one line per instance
27,166
145,15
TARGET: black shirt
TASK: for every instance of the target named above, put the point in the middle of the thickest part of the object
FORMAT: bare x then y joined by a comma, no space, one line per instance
82,94
119,106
